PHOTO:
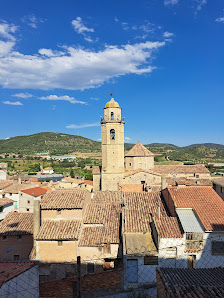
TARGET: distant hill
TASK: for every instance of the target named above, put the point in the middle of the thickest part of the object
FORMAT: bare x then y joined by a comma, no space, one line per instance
208,145
55,143
60,143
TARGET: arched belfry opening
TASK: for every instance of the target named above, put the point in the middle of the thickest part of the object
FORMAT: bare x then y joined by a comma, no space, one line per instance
112,116
112,134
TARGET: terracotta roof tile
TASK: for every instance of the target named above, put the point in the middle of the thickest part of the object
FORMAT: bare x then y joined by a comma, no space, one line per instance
168,227
5,183
101,213
16,188
5,201
9,270
64,199
35,191
88,182
139,150
108,197
59,230
188,182
180,169
17,223
132,187
205,201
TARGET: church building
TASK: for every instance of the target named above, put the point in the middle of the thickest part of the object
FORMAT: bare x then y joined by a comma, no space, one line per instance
136,169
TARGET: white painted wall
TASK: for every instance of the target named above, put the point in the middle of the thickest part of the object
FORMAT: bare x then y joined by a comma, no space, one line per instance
15,198
23,285
6,210
3,175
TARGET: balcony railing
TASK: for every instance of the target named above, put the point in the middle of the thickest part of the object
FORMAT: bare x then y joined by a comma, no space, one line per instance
115,120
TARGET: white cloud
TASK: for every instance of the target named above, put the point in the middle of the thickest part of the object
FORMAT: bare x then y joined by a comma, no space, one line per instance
116,19
64,97
220,20
6,47
32,21
89,39
79,27
76,68
83,125
168,34
23,95
171,2
125,25
200,3
100,139
13,103
127,139
6,30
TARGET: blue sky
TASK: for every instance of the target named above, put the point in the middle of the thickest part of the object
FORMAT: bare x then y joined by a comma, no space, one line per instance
162,60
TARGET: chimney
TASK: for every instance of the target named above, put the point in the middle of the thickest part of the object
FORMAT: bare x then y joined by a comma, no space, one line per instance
36,219
163,182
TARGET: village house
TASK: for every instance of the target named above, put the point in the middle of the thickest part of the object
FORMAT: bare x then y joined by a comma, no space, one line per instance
218,185
12,192
200,211
16,236
4,184
26,198
48,170
19,279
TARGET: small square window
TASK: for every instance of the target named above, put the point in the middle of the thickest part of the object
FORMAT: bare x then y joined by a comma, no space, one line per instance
10,194
4,238
90,268
15,257
19,237
27,209
129,164
60,243
150,260
28,202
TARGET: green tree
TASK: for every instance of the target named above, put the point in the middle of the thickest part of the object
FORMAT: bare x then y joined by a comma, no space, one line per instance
72,173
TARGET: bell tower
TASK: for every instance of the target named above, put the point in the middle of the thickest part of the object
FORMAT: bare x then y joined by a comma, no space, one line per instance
112,130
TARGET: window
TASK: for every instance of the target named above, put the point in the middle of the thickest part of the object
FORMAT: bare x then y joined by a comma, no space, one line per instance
90,268
197,176
171,252
194,241
10,194
4,238
222,189
142,182
1,209
218,248
15,205
15,257
191,261
150,260
27,209
112,134
129,164
60,243
28,202
112,116
19,238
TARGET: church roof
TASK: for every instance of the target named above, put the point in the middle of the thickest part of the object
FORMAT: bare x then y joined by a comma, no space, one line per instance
139,150
112,104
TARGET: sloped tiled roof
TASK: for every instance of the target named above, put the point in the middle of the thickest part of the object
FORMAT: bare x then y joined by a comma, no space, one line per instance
132,187
5,201
205,201
10,270
138,209
64,199
5,183
139,150
16,188
108,197
168,227
180,169
17,223
59,230
35,191
188,182
101,213
184,282
99,235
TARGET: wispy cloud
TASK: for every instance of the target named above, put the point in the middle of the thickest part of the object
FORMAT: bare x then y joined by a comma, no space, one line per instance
23,95
32,20
63,98
199,4
6,30
171,2
74,126
127,139
220,20
167,34
13,103
79,26
76,68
